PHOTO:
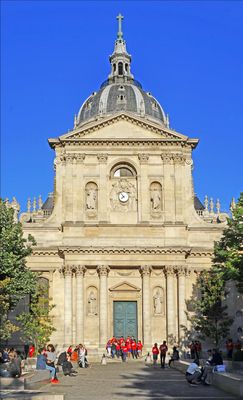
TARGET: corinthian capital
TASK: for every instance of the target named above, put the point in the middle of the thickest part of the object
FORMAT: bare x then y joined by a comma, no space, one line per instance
103,270
169,270
145,270
80,270
68,270
181,270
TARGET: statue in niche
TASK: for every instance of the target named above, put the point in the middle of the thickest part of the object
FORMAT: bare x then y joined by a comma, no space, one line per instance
91,199
92,303
156,199
158,302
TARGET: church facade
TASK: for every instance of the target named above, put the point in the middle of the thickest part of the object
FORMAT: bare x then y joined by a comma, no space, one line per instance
122,238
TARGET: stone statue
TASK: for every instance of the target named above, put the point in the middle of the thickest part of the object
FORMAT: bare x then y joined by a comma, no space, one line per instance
113,196
156,200
92,304
158,301
91,199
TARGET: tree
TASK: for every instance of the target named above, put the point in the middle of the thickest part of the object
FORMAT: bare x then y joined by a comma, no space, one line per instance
16,280
228,252
37,324
210,319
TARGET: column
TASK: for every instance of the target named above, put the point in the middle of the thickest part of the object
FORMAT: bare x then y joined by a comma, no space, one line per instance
171,328
103,271
80,270
145,273
144,204
68,309
102,198
169,187
181,273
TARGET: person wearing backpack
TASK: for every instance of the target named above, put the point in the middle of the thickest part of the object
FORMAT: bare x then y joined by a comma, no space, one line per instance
163,350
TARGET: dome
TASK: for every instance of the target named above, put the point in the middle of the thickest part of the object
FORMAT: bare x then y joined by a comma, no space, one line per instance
120,92
122,96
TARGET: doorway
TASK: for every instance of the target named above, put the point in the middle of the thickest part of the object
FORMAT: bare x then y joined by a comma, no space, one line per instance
125,319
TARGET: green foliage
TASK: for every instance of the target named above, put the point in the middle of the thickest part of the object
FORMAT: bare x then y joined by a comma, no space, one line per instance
209,317
228,252
16,280
37,324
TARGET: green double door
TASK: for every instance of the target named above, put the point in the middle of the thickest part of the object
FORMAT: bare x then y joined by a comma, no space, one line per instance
125,318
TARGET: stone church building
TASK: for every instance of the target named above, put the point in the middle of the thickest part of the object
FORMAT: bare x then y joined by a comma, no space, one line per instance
121,239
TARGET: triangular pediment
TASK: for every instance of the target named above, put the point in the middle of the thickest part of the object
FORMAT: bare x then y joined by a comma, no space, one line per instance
121,126
125,287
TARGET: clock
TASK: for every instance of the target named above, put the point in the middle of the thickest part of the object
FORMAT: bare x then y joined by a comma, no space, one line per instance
123,197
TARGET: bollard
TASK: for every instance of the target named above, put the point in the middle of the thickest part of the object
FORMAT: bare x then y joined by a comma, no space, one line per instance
148,359
103,360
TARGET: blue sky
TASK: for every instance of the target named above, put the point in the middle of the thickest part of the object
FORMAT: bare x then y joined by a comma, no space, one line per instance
188,54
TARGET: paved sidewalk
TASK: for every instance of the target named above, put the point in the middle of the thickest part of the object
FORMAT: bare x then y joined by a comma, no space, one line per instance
119,381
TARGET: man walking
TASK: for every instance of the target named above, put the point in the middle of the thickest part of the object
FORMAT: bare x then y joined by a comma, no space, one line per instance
163,350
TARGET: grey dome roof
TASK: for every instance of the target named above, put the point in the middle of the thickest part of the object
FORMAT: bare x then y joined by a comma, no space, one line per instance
119,96
120,92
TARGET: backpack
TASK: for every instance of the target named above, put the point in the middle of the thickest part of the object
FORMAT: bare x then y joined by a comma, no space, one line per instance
62,358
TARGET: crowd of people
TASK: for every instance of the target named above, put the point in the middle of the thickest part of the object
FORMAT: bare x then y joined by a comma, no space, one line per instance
124,348
197,374
47,359
11,363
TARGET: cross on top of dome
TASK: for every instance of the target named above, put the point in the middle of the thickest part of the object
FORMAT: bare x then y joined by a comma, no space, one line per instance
119,33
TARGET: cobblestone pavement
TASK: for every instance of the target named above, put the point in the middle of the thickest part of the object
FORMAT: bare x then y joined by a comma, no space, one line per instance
119,381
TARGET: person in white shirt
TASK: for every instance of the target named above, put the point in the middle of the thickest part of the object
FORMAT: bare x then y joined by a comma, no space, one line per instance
194,373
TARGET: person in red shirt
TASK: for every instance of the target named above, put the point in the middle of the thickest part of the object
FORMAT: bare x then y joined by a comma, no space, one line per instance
118,349
139,348
124,352
31,351
129,348
230,348
163,350
155,352
134,349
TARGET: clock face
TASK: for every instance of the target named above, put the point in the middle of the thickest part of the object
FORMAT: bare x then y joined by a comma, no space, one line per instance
123,197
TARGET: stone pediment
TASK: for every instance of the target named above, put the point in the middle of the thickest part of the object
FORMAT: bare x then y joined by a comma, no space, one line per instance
125,287
121,126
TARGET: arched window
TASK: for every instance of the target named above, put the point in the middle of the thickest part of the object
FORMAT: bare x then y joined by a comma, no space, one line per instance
120,68
123,170
114,67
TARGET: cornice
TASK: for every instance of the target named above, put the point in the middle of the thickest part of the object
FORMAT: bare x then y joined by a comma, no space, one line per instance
78,136
61,251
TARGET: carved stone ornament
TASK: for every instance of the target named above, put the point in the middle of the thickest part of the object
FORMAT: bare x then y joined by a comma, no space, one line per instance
126,188
102,158
181,270
169,270
103,270
143,158
80,270
68,270
145,270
